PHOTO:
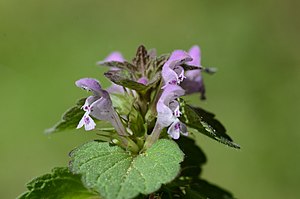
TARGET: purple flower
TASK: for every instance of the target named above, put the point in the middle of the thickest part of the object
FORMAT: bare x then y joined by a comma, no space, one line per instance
193,82
172,72
114,56
86,120
99,105
143,80
168,111
176,128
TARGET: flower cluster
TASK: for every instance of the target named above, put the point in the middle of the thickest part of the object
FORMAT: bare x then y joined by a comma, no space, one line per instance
154,87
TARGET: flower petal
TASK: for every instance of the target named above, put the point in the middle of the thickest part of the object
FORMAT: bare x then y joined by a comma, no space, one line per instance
89,101
170,93
143,80
115,88
193,86
114,56
87,122
164,114
183,129
89,84
174,106
166,104
169,75
194,82
174,130
195,53
81,123
102,108
177,58
172,72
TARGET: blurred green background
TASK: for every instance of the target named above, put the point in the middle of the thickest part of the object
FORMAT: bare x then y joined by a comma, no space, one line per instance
46,45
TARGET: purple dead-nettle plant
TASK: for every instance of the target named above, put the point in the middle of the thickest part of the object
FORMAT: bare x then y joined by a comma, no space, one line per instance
138,120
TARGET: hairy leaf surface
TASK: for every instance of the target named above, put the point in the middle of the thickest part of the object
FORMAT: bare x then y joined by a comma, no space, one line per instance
116,174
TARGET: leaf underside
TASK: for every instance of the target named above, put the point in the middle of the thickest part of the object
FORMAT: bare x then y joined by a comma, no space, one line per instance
116,174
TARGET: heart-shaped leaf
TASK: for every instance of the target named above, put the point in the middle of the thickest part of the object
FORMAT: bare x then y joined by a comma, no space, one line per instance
116,174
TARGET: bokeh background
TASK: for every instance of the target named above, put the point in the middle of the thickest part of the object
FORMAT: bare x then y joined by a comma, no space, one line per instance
46,45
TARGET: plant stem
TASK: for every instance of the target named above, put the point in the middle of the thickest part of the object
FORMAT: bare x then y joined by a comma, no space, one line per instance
151,139
117,123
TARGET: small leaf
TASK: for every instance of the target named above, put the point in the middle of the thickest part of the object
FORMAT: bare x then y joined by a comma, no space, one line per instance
190,67
121,65
119,78
123,79
61,183
141,59
69,119
116,174
158,62
204,122
208,70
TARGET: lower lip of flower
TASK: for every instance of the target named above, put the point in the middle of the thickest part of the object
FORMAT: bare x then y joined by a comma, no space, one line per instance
87,120
177,126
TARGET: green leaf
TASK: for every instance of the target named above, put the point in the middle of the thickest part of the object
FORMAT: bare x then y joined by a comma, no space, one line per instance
120,78
205,123
203,190
115,173
208,70
194,158
69,119
123,79
156,64
154,80
61,183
